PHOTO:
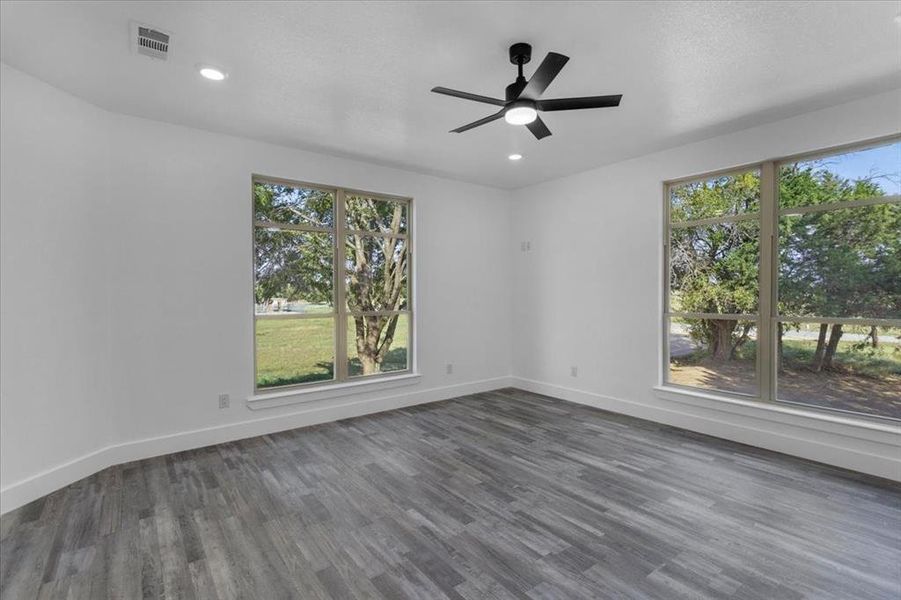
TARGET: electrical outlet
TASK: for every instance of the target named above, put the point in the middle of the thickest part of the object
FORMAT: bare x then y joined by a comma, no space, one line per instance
574,371
450,368
224,401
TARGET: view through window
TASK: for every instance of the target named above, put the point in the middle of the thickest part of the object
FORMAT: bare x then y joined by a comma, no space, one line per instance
331,284
784,281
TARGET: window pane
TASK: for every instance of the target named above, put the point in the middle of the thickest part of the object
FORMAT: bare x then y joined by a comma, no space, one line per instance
714,268
841,263
371,214
714,354
377,344
715,197
376,273
847,367
292,351
294,271
293,205
841,177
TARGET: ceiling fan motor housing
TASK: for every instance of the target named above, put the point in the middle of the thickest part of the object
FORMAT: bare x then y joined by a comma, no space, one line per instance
520,53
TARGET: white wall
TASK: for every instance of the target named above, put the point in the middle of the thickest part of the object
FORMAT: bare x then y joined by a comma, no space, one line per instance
589,292
125,353
182,279
54,347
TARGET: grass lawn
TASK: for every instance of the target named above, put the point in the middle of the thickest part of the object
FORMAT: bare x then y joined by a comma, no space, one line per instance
291,351
883,361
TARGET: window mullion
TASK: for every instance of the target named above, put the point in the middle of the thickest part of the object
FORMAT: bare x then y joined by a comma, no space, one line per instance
766,335
341,373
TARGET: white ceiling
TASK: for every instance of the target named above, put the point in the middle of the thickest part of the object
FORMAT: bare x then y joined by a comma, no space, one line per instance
353,79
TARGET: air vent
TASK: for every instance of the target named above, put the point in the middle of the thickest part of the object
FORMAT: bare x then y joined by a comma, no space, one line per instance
150,41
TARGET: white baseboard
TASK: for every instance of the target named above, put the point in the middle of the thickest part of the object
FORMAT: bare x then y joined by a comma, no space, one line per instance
45,482
875,452
878,455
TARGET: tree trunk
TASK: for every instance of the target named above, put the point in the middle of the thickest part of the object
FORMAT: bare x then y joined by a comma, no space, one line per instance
368,331
832,346
370,366
817,363
721,338
741,341
779,365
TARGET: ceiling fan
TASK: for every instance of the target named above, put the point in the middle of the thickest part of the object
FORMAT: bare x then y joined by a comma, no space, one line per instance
523,98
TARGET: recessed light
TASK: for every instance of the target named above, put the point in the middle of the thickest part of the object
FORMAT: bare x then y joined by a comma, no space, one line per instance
212,73
515,156
898,18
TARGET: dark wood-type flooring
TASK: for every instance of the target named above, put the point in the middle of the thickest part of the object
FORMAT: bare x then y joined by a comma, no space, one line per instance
497,495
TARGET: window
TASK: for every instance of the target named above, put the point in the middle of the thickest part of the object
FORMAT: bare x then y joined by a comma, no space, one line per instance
331,284
783,281
714,257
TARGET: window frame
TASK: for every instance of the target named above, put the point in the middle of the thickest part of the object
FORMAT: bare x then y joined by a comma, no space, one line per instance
767,317
339,313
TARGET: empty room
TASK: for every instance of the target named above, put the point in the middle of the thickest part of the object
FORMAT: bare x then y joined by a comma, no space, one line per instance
450,300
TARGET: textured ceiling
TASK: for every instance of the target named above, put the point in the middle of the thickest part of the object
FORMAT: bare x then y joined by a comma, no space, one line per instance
353,79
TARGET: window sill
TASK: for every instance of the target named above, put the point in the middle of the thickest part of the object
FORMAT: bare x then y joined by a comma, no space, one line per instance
863,428
331,390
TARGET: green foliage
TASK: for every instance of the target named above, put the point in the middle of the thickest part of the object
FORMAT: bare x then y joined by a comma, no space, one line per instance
369,214
714,268
291,205
726,195
294,265
841,262
299,265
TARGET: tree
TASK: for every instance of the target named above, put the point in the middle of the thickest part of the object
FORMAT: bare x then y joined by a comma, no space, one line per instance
377,276
299,265
714,267
839,263
296,265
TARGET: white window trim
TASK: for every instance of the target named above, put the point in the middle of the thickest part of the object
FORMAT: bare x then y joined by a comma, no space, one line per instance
766,318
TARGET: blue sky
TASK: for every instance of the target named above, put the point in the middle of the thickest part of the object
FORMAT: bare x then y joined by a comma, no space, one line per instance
884,160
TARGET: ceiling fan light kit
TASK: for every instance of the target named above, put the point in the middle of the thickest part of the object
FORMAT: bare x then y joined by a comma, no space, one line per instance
523,97
522,113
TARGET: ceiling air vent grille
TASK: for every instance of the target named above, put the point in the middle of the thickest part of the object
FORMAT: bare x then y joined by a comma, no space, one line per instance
151,42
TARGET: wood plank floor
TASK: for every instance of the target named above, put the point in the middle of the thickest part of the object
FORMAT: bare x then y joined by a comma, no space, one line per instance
498,495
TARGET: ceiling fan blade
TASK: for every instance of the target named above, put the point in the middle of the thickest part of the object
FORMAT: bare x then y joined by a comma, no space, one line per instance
577,103
467,96
475,124
538,128
544,75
